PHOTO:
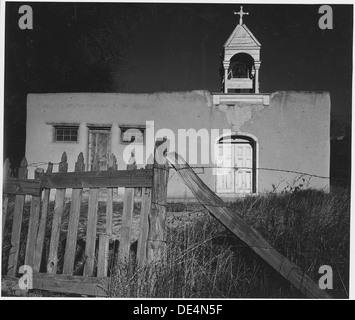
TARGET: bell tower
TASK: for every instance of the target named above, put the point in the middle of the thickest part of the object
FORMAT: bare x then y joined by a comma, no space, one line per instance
241,60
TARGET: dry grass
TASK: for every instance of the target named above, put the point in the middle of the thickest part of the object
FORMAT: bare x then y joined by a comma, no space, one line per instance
203,259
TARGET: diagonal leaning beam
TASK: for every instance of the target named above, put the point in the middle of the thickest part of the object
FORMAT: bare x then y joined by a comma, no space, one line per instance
231,220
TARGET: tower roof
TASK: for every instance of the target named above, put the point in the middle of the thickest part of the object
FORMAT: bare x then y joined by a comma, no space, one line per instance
242,37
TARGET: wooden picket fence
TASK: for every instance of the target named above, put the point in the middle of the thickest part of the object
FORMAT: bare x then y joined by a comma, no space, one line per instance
151,181
151,246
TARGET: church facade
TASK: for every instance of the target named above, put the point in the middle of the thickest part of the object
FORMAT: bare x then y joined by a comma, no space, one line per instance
240,141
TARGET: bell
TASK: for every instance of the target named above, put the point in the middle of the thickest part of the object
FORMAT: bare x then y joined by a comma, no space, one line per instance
252,73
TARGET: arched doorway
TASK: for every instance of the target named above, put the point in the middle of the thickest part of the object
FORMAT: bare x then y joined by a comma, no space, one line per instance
236,161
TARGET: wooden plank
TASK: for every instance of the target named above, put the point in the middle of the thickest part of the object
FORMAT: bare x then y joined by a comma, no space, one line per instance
109,212
20,186
102,179
127,219
17,223
102,258
67,284
235,223
104,240
5,197
42,225
143,227
91,227
52,263
73,223
156,245
144,221
33,226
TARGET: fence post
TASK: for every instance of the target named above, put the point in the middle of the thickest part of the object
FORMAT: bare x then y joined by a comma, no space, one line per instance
17,222
57,219
156,245
5,197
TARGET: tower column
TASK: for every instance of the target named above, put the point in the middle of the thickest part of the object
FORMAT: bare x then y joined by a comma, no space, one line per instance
226,67
257,68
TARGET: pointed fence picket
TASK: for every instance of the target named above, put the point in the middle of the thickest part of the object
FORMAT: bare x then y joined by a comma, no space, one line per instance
57,219
91,226
33,226
73,223
42,224
17,223
104,239
127,219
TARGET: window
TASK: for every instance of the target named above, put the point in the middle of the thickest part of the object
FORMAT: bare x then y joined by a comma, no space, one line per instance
132,134
66,133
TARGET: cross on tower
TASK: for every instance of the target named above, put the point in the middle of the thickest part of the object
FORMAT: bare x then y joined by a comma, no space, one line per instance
241,14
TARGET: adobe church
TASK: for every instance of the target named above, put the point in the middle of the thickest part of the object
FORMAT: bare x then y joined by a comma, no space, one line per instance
270,141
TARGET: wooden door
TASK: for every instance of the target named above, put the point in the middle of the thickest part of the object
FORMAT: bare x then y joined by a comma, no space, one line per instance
243,161
100,148
234,168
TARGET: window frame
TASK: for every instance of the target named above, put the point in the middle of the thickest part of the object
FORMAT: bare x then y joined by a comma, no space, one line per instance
63,127
124,128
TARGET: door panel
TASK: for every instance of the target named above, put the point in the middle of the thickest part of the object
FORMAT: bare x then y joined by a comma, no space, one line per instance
100,148
225,173
234,168
243,161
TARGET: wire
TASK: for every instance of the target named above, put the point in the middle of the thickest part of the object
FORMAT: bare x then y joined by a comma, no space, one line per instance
171,176
42,163
243,168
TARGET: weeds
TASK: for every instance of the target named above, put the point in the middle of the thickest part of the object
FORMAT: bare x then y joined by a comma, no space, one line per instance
205,260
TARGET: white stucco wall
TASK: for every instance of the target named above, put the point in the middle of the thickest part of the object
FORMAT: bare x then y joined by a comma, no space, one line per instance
292,132
294,135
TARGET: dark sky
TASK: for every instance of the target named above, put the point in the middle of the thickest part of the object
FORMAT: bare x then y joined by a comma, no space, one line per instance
167,47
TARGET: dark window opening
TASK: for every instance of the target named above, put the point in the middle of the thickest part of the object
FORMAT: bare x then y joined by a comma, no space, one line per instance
67,134
132,134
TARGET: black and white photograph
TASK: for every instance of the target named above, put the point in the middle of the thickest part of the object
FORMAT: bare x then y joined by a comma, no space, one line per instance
176,150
